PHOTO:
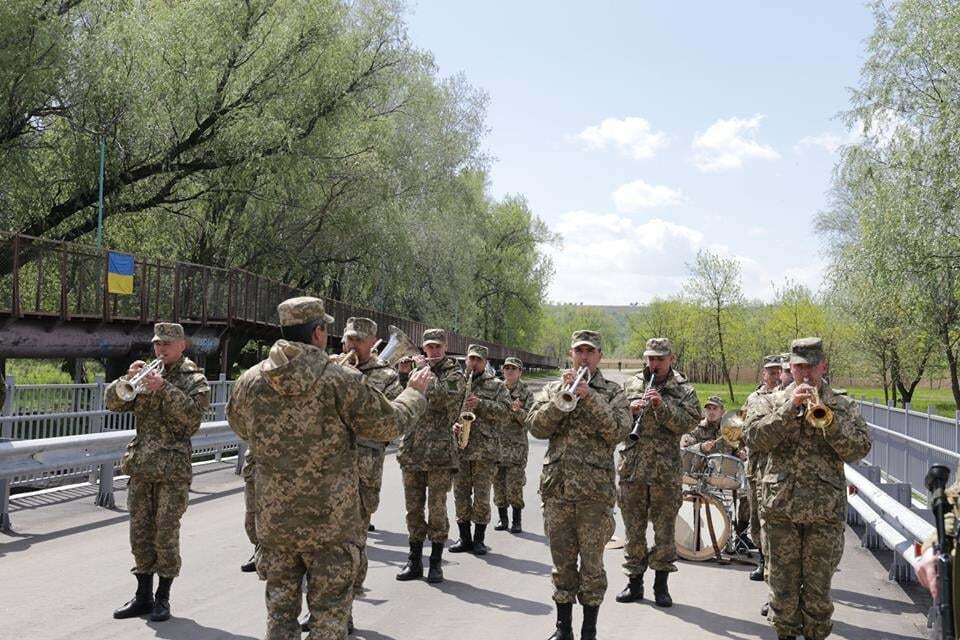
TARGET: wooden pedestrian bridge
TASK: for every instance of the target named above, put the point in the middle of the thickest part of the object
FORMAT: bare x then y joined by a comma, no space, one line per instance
54,303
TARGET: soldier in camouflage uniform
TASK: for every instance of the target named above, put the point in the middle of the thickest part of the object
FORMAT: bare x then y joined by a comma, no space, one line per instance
301,413
650,471
158,461
514,447
762,396
786,377
578,483
707,440
803,497
250,509
489,400
428,459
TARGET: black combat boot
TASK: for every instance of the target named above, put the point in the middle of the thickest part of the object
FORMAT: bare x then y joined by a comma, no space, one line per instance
564,622
465,543
305,621
370,527
633,592
250,565
765,609
516,527
142,602
479,533
588,631
757,574
350,627
660,593
503,523
413,570
161,601
435,574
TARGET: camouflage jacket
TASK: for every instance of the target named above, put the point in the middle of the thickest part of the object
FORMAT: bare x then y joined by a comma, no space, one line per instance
384,379
429,443
761,400
492,412
301,419
655,457
514,445
705,432
579,462
166,420
803,481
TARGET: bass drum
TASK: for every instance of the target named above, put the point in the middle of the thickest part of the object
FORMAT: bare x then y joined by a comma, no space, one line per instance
697,513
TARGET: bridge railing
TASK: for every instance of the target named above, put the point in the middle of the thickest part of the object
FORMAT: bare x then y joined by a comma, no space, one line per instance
34,411
95,454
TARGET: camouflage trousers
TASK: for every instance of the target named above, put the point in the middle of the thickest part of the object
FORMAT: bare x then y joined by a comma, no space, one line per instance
421,488
754,495
370,470
508,483
471,490
328,573
578,531
250,509
641,504
801,560
155,511
743,499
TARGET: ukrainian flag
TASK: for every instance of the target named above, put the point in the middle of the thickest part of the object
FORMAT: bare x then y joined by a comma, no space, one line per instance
119,273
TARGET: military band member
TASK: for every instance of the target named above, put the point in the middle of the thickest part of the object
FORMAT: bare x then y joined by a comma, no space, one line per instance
650,472
300,413
514,447
803,496
762,396
428,459
158,460
359,336
488,399
578,481
785,376
706,439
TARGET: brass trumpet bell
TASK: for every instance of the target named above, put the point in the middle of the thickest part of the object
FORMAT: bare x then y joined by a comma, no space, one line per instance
818,415
731,428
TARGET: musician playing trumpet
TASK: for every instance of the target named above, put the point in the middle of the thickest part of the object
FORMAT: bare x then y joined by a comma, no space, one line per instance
488,400
664,407
169,407
578,485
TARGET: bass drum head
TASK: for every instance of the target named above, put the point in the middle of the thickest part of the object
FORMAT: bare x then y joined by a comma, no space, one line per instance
693,529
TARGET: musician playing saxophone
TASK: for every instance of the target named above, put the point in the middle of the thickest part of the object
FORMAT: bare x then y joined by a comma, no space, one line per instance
168,408
489,400
650,473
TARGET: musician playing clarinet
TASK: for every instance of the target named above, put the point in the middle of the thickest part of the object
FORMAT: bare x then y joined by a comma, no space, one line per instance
664,407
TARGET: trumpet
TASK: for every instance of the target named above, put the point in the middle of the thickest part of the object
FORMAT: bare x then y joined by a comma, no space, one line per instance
127,390
348,359
567,399
731,428
466,417
818,415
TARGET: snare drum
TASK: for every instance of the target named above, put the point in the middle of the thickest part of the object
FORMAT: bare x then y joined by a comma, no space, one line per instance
724,472
694,463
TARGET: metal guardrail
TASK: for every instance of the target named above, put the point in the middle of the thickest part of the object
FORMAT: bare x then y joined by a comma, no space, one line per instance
33,411
97,453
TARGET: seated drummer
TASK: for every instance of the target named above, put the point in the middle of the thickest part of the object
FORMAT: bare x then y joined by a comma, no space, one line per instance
706,437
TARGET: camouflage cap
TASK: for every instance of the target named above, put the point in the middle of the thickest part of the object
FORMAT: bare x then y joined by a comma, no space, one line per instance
716,401
806,351
359,328
478,350
434,336
513,362
585,336
168,332
785,360
772,361
301,310
658,347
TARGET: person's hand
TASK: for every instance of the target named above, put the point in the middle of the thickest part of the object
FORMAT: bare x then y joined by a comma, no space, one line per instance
405,365
708,446
135,367
801,394
636,406
742,454
421,360
421,379
516,405
927,572
457,428
567,377
652,396
582,390
153,382
471,402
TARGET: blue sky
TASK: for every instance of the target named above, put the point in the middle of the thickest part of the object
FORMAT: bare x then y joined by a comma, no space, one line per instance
643,131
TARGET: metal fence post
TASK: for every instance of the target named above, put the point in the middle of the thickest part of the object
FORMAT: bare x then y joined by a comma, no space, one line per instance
6,409
221,410
96,420
105,486
5,524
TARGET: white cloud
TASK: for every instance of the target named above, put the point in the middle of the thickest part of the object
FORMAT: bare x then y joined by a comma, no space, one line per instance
636,195
726,144
829,142
632,136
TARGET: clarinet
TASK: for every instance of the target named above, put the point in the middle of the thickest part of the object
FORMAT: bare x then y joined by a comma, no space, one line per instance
638,423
